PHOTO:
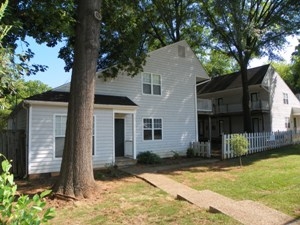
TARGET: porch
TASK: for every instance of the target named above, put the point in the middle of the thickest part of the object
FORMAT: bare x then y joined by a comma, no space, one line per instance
205,106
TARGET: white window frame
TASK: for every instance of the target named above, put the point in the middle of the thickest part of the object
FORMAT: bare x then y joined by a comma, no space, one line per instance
152,129
285,98
287,122
57,136
152,84
64,135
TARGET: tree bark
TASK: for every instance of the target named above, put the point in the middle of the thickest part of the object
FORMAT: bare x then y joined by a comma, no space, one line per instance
76,174
246,99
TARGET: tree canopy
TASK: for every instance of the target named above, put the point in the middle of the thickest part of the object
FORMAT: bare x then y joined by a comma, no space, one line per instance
246,28
22,89
295,83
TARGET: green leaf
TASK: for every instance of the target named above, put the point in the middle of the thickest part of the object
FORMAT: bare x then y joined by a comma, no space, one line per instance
45,193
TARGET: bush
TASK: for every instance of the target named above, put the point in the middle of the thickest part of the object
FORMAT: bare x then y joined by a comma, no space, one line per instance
22,210
239,145
175,155
190,153
148,158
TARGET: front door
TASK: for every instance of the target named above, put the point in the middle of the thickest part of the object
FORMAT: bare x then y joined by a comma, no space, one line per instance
255,125
119,137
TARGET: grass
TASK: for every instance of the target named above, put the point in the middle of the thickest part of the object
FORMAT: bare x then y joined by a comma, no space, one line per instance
272,178
136,202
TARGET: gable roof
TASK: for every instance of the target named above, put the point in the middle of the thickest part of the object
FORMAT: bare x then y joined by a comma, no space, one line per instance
199,71
59,96
233,80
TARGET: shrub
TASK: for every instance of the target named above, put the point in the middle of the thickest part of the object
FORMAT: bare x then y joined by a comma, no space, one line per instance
239,145
148,158
22,210
175,155
190,153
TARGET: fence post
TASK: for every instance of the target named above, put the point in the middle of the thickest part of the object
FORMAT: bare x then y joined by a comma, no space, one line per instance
208,147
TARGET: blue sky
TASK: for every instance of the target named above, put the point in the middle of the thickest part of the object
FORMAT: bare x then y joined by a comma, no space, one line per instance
56,75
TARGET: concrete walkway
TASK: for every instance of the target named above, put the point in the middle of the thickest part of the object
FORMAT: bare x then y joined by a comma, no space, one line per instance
246,212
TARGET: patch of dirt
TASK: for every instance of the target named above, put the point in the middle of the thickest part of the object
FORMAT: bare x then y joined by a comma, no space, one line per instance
106,181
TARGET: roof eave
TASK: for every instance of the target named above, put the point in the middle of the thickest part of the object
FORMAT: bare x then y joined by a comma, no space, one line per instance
65,104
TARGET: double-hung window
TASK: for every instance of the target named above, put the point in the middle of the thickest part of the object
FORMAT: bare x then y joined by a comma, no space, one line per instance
287,122
285,98
152,129
151,84
60,130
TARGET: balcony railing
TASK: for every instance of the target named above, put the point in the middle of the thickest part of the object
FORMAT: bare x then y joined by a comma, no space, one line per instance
260,105
205,105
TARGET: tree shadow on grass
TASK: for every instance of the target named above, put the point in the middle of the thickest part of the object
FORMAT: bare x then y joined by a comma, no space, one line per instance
200,165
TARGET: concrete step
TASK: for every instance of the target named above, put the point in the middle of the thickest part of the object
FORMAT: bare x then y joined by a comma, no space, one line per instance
124,162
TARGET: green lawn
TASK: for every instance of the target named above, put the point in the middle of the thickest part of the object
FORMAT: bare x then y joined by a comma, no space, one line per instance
271,177
136,202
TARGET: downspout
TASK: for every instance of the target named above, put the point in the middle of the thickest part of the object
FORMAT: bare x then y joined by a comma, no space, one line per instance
28,136
196,115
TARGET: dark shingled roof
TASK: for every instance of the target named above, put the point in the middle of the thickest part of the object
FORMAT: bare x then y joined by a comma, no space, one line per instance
233,80
57,96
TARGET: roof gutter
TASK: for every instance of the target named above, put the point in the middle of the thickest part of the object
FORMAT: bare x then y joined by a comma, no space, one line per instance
65,104
203,82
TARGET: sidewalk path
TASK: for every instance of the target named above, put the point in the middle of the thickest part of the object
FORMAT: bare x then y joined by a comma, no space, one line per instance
246,212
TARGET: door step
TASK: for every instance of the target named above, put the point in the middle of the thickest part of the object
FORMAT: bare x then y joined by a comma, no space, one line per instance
124,161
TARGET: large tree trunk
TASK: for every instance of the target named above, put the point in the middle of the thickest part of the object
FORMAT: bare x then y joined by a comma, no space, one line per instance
246,99
76,174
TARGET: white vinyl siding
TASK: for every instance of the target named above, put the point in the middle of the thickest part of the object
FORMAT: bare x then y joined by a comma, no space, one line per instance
151,84
176,105
42,152
282,102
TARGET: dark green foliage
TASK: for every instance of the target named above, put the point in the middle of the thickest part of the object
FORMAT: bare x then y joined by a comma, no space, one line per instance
190,153
148,158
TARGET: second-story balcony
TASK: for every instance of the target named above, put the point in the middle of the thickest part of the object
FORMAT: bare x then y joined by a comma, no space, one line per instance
206,106
238,107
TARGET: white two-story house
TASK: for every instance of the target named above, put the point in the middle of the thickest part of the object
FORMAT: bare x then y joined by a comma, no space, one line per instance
274,107
154,111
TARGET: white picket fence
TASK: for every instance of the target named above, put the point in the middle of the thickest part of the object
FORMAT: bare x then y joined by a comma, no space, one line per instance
259,142
202,149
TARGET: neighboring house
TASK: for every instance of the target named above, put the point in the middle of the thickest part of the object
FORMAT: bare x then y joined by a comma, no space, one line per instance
273,105
154,111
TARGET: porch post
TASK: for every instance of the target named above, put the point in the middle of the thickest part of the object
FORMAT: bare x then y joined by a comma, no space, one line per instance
134,135
209,129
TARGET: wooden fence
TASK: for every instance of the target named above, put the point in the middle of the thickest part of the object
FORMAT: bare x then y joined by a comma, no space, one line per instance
202,149
12,146
259,142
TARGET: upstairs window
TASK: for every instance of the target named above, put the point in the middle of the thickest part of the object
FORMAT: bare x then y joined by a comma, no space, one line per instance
152,129
151,84
285,98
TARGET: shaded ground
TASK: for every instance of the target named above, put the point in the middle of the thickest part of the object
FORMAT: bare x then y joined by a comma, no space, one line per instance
111,181
107,180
